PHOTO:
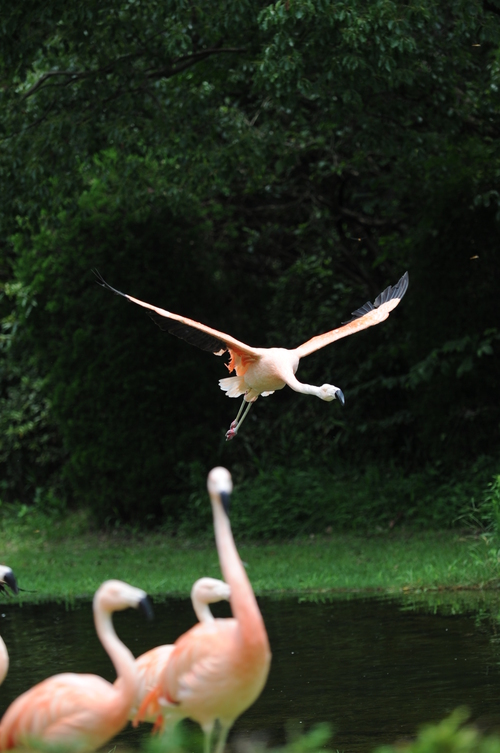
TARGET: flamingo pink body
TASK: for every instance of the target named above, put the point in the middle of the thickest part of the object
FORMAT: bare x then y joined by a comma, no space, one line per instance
262,371
218,669
151,665
79,712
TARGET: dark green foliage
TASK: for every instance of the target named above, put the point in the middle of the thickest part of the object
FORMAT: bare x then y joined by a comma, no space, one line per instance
264,169
282,502
178,739
30,446
451,735
119,386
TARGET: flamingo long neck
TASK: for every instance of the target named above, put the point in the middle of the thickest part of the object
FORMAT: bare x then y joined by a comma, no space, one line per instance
202,611
122,659
243,602
305,389
4,661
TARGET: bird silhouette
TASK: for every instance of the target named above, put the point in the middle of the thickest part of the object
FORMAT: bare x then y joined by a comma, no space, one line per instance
151,665
7,578
262,371
217,669
79,712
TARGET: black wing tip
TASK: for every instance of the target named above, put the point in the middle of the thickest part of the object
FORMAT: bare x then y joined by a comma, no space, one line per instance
392,291
399,289
101,281
403,282
191,335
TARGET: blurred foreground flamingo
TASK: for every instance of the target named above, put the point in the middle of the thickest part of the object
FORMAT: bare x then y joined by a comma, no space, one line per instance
217,669
151,665
74,711
262,371
7,578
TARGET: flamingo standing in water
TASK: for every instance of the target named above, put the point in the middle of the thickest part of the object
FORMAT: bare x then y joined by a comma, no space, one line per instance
74,711
217,669
7,578
262,371
151,665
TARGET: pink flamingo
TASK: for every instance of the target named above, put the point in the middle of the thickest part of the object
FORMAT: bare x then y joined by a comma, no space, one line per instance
74,711
262,371
7,578
151,665
217,669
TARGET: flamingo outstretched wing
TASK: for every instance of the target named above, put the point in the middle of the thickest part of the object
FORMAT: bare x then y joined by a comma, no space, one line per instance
193,332
366,316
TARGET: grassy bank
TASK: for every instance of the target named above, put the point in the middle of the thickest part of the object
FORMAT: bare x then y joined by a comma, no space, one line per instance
63,560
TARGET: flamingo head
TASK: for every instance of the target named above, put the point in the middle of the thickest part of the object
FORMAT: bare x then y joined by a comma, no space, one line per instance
329,392
210,590
220,486
7,578
115,595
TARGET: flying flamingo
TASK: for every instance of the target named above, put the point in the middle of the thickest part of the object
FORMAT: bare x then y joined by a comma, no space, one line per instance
74,711
7,578
217,669
151,665
262,371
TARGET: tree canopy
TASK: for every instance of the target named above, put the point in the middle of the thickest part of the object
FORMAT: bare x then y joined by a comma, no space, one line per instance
264,168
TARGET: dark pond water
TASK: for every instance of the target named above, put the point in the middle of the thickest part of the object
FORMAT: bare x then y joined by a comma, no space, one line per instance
375,669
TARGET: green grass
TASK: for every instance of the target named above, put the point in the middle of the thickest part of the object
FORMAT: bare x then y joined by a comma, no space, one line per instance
61,559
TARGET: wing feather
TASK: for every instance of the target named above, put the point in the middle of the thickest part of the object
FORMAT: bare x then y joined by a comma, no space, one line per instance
366,316
200,659
79,702
192,335
193,332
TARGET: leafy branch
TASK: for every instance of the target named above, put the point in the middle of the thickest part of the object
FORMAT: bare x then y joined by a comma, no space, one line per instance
178,65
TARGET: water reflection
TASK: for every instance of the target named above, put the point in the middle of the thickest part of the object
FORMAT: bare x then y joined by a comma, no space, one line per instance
372,667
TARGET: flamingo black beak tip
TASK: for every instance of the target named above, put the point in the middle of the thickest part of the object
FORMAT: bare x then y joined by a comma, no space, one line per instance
146,608
225,498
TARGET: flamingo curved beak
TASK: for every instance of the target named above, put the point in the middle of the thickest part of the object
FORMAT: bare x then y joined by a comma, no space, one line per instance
225,498
340,397
146,608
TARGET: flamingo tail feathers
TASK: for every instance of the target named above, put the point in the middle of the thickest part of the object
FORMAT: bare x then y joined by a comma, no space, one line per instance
233,386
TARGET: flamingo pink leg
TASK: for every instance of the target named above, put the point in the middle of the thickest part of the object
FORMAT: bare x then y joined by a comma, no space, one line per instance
235,425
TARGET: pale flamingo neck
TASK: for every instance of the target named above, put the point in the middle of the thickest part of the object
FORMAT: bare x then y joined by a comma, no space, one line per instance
202,611
305,389
122,658
243,602
4,661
